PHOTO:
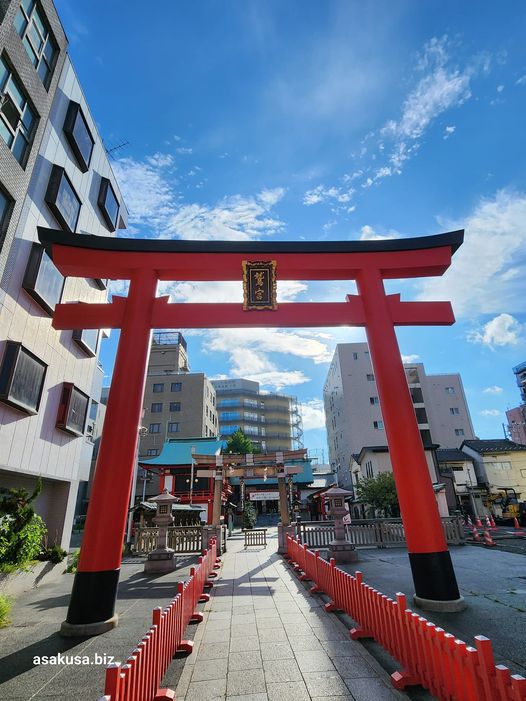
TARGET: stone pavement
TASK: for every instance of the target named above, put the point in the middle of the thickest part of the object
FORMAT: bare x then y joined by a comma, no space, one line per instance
264,638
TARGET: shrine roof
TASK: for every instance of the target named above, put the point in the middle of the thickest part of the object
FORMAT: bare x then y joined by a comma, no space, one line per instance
48,237
179,451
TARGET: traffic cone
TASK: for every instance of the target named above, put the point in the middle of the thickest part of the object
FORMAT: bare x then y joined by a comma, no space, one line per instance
478,522
516,523
492,521
488,522
475,533
488,540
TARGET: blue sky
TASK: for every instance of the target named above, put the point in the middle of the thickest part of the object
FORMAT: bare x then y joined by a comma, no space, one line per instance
306,120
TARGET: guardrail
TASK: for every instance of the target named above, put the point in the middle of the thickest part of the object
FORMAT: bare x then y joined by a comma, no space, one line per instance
139,677
182,539
447,667
379,533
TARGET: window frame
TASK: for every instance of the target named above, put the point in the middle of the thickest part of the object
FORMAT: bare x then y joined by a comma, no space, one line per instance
156,431
82,343
177,385
26,132
65,408
30,282
5,216
47,39
15,349
156,411
158,384
170,429
56,179
73,114
175,406
105,188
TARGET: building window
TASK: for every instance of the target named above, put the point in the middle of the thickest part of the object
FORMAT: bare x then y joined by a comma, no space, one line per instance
369,469
22,377
72,410
108,203
17,119
154,428
505,465
176,386
42,280
378,424
416,395
454,410
158,387
421,416
88,340
175,406
355,356
370,377
156,408
37,39
78,135
374,400
152,452
173,427
450,390
425,435
6,207
412,376
62,199
93,410
459,432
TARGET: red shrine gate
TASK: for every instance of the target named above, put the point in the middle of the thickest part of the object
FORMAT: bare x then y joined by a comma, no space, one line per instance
144,263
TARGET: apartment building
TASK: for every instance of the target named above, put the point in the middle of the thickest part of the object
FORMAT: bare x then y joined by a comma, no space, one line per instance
516,417
55,173
177,403
353,412
271,421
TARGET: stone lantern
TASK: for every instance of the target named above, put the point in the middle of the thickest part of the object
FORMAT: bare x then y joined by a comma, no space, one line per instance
162,558
340,548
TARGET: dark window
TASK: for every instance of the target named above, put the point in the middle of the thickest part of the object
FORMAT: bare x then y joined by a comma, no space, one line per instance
17,119
173,427
175,406
42,280
88,340
450,390
72,410
454,410
378,424
158,387
157,408
355,356
152,452
370,377
426,438
22,377
176,386
31,25
412,376
93,409
108,203
374,400
459,432
62,199
421,416
416,395
154,428
78,135
6,207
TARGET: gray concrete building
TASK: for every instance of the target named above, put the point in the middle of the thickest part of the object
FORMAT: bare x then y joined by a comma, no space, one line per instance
353,413
54,173
270,420
177,403
516,417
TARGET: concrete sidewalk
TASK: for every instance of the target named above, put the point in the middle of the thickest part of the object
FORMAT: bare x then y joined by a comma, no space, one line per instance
265,638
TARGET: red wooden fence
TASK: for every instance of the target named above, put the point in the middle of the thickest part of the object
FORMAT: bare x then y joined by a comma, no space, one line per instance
138,679
447,667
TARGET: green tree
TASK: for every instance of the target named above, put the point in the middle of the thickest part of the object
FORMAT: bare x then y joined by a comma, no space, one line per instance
239,444
379,493
249,515
21,530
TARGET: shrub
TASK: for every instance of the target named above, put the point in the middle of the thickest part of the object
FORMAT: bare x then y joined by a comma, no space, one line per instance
73,562
54,554
5,609
24,545
249,516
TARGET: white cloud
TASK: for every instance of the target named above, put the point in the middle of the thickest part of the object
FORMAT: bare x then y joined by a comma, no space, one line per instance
154,205
521,80
313,414
500,88
448,131
503,330
487,272
494,389
412,358
333,194
224,292
490,412
367,233
184,150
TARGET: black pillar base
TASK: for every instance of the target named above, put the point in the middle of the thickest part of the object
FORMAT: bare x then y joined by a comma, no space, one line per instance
92,604
435,582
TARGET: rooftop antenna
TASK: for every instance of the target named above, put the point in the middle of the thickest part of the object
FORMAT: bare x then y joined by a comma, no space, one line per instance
113,149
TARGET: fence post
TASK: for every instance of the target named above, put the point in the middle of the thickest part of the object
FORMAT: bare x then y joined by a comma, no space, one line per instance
315,589
331,605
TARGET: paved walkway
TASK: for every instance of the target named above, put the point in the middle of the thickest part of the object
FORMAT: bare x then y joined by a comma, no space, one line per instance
265,638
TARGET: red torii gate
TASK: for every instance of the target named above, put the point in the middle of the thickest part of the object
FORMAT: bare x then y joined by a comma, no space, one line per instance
144,263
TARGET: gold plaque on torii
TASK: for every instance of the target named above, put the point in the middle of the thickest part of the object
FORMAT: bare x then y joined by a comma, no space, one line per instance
259,285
